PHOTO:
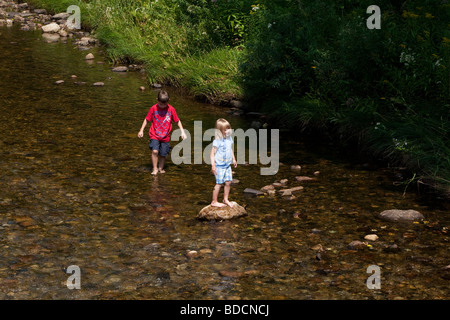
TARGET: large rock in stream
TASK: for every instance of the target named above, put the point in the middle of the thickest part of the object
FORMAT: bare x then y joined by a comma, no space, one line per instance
222,213
401,215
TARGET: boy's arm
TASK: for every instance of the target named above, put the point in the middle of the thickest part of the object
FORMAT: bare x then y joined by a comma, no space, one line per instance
141,132
213,162
183,135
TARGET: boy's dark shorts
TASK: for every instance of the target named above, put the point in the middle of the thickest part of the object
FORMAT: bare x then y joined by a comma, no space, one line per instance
162,147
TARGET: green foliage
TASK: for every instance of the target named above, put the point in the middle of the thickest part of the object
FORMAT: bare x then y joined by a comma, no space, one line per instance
396,77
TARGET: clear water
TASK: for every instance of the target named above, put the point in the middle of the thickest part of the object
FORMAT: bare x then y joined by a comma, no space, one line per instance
76,189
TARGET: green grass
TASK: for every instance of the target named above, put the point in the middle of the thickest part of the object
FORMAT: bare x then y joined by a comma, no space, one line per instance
151,33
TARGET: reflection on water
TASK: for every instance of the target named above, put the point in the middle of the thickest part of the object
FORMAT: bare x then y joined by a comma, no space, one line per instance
77,190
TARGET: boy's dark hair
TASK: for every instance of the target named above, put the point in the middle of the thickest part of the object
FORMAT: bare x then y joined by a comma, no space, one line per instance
163,96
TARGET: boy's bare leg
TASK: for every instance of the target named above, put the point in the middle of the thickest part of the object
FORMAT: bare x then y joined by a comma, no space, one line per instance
216,191
155,162
162,160
226,193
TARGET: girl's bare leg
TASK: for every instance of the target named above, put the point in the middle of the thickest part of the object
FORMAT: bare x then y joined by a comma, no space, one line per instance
226,193
216,191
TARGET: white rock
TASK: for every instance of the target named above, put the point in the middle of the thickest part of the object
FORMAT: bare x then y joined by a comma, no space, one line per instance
371,237
89,56
51,28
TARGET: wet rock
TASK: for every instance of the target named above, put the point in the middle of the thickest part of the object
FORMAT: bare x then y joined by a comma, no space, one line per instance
25,222
63,33
120,69
284,181
51,28
253,192
61,16
267,188
234,182
59,82
401,215
357,245
157,86
316,173
296,168
288,192
318,247
271,192
304,178
316,230
40,11
222,213
371,237
282,211
99,84
142,88
231,274
89,56
73,76
192,254
51,37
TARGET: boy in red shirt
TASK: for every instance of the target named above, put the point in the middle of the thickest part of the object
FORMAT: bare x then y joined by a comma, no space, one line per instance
161,116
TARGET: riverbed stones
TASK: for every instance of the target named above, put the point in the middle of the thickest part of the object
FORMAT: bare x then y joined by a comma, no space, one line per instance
99,84
59,82
296,168
222,213
51,28
401,215
89,56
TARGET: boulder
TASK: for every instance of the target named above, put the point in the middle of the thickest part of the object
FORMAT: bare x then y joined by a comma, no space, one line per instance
51,28
221,213
401,215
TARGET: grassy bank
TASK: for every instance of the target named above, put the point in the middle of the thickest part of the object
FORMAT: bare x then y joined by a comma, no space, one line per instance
308,64
176,46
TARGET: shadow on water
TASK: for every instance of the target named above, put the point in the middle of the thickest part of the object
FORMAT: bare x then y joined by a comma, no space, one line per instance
77,190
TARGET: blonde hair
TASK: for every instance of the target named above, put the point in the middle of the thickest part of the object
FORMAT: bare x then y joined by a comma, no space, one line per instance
221,125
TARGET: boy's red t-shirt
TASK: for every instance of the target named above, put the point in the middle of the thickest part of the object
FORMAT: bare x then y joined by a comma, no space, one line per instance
161,122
